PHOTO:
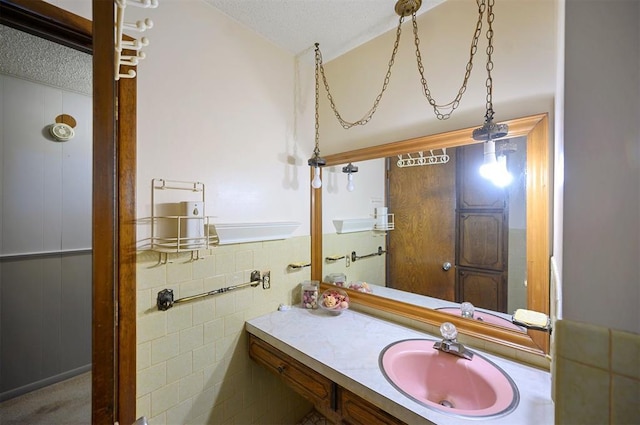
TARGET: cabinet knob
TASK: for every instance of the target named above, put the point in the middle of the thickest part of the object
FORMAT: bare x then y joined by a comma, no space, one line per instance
446,266
281,368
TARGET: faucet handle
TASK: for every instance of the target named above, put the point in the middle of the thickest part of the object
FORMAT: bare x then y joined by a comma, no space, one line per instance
448,331
467,309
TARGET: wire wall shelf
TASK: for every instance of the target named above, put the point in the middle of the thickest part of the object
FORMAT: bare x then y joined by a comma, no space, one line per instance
191,230
384,222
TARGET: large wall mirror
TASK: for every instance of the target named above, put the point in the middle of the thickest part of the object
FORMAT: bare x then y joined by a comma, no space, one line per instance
450,235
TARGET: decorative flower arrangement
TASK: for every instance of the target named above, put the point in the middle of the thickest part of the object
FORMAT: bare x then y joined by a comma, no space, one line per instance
334,300
360,287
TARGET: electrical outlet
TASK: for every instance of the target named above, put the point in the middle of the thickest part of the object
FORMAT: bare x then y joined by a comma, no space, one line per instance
266,280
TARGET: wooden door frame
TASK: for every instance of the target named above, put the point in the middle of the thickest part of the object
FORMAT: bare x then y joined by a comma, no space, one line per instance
114,210
114,179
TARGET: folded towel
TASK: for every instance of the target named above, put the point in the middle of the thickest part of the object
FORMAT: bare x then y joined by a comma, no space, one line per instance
532,319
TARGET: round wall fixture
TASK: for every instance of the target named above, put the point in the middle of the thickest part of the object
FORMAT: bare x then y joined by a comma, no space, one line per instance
61,131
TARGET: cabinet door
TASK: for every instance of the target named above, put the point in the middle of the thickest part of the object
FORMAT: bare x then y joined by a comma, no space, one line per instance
358,411
484,289
474,191
302,379
481,240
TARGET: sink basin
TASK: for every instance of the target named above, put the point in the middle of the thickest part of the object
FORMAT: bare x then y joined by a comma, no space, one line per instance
485,317
449,384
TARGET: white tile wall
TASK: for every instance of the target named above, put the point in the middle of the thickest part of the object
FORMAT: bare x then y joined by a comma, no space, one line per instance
597,379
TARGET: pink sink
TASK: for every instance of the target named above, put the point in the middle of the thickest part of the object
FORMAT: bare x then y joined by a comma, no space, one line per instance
485,317
447,383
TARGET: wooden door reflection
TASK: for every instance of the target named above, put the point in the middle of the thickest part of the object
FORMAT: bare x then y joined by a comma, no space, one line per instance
423,200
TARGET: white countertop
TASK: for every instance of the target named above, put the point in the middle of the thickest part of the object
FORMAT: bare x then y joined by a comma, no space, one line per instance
345,349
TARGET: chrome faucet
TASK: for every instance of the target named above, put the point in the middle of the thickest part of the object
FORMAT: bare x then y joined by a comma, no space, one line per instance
450,344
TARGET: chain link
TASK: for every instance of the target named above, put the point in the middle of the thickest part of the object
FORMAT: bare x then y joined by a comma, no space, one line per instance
489,81
316,151
367,117
442,111
453,105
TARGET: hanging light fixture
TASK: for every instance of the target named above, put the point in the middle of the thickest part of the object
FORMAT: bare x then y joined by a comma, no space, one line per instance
350,169
316,161
494,167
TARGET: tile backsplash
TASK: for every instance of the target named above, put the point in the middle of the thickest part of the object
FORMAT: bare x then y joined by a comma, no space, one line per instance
192,361
596,375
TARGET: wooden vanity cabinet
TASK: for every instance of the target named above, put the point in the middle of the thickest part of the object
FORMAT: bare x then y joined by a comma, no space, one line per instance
304,380
337,404
357,411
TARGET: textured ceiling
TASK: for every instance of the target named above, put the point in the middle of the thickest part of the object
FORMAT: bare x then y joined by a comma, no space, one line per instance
36,59
295,25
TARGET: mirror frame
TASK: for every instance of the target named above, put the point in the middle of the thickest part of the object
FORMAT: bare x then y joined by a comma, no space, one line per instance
538,212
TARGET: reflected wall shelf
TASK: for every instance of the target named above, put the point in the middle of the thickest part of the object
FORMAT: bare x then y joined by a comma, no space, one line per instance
351,225
230,233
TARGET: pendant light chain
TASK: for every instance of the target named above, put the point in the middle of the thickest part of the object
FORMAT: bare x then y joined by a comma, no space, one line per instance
367,117
441,111
453,105
316,160
489,130
316,151
489,81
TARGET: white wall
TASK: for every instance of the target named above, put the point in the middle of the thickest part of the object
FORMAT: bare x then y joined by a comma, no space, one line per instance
216,105
45,185
602,164
79,7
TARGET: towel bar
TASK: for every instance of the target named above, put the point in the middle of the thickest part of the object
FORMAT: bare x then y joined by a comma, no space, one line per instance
355,257
165,299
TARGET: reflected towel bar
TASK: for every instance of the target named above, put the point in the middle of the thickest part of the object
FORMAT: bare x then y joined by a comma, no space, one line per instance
295,266
334,257
165,297
355,257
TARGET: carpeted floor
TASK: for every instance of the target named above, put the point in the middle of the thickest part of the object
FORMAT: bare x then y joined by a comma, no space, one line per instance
69,403
65,403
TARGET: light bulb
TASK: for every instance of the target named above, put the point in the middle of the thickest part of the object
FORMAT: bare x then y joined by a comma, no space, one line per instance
502,176
350,185
316,183
487,169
